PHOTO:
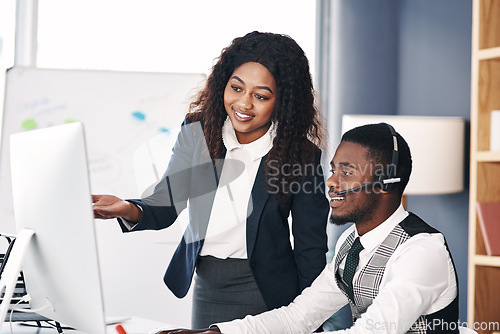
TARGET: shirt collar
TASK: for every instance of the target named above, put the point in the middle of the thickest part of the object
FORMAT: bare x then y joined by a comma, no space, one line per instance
257,149
375,237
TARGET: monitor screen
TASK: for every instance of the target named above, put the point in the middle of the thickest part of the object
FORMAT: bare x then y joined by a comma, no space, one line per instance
51,193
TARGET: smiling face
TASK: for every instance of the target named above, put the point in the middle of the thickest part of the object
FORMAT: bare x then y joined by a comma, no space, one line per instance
351,168
249,99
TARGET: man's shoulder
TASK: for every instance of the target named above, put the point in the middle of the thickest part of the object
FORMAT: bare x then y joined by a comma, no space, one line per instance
414,225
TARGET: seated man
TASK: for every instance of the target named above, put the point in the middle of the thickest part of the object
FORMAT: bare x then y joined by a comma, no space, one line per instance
393,269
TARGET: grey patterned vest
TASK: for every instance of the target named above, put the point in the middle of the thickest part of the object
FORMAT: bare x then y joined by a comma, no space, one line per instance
366,285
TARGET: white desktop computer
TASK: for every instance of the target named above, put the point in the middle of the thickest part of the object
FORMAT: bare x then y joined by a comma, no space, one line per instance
52,196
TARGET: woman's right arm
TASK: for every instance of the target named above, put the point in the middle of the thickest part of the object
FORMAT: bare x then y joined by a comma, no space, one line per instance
170,196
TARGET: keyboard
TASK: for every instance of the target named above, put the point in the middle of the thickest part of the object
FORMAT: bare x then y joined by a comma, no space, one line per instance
23,316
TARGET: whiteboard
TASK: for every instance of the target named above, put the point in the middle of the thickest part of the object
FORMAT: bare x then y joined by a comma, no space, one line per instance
124,114
131,121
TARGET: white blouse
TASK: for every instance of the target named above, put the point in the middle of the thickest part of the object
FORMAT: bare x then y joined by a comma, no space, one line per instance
226,234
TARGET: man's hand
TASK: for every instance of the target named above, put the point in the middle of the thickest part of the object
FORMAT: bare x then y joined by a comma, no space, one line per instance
213,330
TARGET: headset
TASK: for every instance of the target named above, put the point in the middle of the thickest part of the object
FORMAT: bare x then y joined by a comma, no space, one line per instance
387,179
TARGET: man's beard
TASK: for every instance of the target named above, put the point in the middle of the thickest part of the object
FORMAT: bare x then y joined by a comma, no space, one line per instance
359,214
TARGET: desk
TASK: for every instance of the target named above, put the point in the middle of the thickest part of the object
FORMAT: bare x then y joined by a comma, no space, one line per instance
132,326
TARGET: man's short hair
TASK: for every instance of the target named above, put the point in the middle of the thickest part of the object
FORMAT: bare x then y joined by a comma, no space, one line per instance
378,139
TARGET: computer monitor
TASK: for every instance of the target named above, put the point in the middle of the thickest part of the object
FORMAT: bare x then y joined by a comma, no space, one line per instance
51,193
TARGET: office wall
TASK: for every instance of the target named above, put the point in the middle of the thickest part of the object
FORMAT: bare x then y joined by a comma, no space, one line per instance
434,79
408,57
363,58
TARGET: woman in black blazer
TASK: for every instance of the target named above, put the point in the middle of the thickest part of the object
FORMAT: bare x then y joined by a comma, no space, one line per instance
246,160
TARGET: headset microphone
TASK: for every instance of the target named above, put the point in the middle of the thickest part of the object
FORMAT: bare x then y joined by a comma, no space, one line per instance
364,185
381,184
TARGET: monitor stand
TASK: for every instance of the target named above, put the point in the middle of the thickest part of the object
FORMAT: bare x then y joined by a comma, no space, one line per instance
12,269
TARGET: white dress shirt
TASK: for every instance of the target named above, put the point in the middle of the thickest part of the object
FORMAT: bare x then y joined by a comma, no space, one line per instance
419,279
226,234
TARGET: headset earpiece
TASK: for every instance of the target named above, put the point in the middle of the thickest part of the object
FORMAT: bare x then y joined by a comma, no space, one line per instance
387,180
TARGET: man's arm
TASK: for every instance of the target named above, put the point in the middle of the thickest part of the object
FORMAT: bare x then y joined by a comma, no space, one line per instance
304,315
214,330
420,281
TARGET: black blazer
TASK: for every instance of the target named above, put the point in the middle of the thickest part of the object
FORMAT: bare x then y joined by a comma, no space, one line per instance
280,270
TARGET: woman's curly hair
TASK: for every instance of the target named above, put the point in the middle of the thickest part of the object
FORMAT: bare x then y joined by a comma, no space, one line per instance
299,129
